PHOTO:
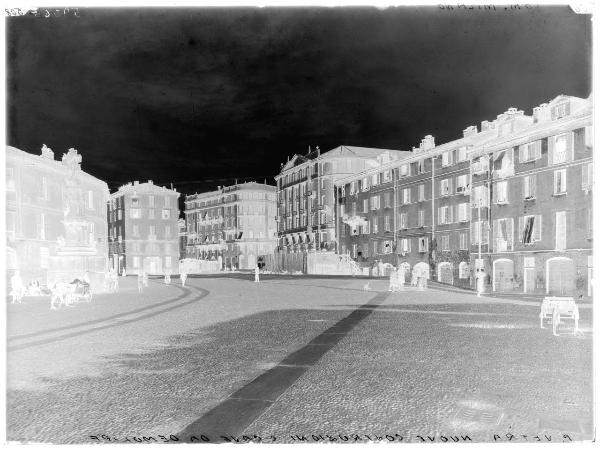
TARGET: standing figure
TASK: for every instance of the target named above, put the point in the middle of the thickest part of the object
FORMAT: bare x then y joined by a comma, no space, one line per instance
16,284
256,274
183,277
400,276
140,282
413,278
479,280
167,277
392,287
145,279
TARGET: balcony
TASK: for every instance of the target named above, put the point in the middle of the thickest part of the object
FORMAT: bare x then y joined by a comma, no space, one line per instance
560,157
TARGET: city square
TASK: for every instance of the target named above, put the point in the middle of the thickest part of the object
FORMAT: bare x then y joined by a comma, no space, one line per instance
225,357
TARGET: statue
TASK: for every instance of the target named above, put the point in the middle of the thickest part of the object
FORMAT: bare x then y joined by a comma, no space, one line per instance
47,153
72,160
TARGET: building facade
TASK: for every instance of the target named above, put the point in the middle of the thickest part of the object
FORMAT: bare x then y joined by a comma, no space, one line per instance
534,200
306,200
182,238
55,220
143,229
234,224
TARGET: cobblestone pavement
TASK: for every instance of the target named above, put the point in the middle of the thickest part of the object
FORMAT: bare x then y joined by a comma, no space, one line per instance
418,365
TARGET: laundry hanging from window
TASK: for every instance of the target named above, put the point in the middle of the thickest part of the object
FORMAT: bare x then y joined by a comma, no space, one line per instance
528,230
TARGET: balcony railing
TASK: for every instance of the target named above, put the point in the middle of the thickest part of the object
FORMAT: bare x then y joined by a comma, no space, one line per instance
560,157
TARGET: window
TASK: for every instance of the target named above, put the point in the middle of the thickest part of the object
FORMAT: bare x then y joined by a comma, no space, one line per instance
480,196
354,208
446,158
375,203
530,228
503,164
167,232
463,270
90,200
463,212
136,262
445,243
462,184
529,187
406,196
445,186
354,250
375,179
151,200
152,231
559,111
135,230
589,137
151,214
342,191
386,223
503,234
41,226
445,215
479,231
560,182
10,179
166,214
501,192
403,221
365,184
421,167
135,213
461,154
421,218
387,200
405,245
375,222
530,151
423,244
421,192
44,188
387,246
366,228
561,147
561,230
365,205
404,170
587,176
167,202
462,241
480,166
387,176
353,189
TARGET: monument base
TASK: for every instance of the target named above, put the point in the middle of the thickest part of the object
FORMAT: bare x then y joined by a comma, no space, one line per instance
66,268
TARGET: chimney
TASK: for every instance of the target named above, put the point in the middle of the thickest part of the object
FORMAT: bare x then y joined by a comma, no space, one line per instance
428,142
135,183
150,182
470,131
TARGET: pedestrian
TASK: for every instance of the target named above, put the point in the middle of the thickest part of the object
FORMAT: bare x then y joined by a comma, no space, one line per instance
16,284
400,276
479,280
392,287
140,282
256,274
145,278
183,277
167,277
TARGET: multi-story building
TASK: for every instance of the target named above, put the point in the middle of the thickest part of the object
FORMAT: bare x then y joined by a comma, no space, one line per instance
414,211
234,224
143,229
532,201
182,238
55,219
306,194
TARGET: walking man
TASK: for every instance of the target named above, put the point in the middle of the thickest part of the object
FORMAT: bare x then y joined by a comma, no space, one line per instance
16,284
256,274
183,276
140,279
480,279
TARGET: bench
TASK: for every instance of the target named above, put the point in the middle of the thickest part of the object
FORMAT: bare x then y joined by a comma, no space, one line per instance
557,308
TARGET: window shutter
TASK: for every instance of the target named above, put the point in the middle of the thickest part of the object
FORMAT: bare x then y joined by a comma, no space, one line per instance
450,214
538,149
495,235
537,230
551,150
522,153
570,137
522,229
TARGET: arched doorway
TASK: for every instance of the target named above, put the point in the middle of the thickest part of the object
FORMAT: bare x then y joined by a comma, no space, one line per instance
421,269
445,274
560,276
503,275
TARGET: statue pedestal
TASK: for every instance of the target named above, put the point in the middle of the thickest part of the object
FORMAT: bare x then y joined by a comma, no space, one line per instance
69,265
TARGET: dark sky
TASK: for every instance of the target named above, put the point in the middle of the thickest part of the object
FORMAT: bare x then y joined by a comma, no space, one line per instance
201,96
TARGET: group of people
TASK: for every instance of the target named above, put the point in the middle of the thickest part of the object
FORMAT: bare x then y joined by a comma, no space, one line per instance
398,279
